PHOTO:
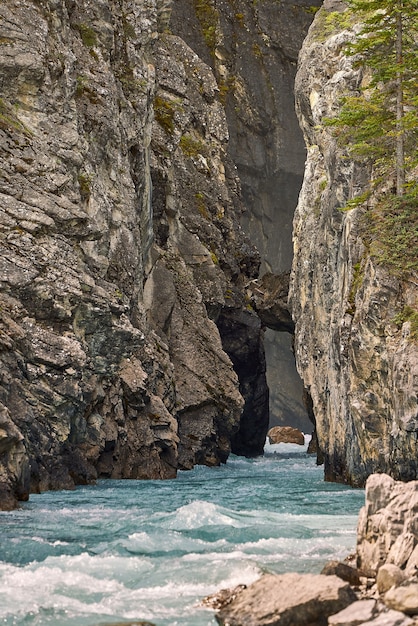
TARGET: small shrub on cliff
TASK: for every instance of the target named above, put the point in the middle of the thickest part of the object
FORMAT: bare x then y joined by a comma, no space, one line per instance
9,120
87,34
84,184
329,23
191,146
201,205
390,229
408,314
164,112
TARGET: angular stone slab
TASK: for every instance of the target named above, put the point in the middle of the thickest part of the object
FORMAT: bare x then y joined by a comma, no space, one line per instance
288,600
355,614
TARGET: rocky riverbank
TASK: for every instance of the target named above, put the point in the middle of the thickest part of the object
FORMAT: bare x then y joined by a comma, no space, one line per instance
378,586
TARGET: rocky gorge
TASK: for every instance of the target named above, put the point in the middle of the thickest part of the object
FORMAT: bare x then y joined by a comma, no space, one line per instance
112,364
144,145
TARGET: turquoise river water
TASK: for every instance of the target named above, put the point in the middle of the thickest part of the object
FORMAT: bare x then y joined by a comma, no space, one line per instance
129,550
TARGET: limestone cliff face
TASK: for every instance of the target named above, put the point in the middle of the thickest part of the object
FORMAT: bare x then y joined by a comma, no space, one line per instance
119,249
360,368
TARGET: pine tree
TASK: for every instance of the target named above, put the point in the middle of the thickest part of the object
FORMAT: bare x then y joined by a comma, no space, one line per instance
381,123
379,126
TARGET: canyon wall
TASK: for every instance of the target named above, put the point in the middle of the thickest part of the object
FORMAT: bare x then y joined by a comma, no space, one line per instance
354,339
120,251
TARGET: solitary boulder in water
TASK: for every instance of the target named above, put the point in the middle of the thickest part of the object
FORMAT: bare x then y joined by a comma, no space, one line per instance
286,434
288,600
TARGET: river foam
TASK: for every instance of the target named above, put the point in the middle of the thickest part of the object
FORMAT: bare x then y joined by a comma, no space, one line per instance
151,550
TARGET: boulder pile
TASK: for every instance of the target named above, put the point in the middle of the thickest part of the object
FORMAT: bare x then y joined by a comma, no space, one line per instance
378,586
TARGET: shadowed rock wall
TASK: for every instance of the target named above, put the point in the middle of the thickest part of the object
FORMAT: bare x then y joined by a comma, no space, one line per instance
253,48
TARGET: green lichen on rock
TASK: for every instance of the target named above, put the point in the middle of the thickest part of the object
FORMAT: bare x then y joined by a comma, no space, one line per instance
9,120
208,17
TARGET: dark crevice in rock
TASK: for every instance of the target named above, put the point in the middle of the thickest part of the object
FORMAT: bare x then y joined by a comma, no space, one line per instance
242,339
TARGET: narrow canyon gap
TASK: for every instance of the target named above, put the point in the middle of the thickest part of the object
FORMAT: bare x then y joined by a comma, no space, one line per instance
254,57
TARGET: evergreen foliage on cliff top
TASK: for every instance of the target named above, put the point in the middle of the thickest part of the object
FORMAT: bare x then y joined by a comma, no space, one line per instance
380,126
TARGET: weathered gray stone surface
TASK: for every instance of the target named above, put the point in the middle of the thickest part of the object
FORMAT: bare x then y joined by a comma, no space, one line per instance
119,249
200,256
388,523
359,367
343,571
369,613
389,575
355,614
288,600
390,618
403,598
269,297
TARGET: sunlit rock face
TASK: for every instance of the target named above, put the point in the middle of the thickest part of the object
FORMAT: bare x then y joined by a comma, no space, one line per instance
360,368
119,249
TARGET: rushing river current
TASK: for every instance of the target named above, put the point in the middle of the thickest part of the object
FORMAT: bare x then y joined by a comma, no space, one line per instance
151,550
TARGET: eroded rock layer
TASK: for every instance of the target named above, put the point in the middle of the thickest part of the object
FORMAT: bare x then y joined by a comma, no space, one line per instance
119,249
359,366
